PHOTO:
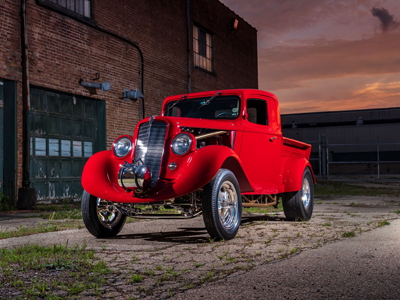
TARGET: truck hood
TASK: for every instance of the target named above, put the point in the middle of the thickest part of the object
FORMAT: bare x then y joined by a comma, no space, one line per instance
198,123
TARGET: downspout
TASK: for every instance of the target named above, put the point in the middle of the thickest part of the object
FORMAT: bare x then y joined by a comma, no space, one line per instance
26,98
189,52
113,34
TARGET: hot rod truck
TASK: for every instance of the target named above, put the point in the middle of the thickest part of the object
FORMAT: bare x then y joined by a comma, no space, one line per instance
209,153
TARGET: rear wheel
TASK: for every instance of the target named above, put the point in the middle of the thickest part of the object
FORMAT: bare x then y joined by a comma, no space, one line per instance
102,218
222,206
299,206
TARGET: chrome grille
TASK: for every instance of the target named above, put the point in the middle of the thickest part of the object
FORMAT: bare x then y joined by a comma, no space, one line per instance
150,147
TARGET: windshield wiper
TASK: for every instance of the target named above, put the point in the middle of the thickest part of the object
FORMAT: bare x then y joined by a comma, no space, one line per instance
177,101
211,99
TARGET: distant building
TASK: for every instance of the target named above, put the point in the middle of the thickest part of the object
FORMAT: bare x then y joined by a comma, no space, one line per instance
357,139
184,48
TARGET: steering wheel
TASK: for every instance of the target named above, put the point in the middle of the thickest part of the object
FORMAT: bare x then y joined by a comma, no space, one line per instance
223,113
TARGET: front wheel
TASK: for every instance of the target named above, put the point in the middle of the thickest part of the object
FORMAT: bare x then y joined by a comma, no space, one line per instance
299,205
102,219
222,206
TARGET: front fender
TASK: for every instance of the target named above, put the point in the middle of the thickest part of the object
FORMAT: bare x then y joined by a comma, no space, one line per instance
293,174
202,165
96,179
193,172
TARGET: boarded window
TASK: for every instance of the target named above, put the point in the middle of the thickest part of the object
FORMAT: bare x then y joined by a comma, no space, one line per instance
203,48
82,7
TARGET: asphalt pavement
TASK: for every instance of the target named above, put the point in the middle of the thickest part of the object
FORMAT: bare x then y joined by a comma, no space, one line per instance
363,267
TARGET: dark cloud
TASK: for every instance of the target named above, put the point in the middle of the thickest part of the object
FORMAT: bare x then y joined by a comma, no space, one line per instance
287,67
387,20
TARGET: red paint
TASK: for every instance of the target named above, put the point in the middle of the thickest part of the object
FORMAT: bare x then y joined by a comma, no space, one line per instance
262,160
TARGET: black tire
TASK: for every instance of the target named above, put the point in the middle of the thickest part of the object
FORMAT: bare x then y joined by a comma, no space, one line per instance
92,221
293,205
222,182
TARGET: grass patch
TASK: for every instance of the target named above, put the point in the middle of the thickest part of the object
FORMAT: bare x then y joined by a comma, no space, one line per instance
397,211
42,228
337,188
4,203
39,272
74,214
263,210
348,234
383,223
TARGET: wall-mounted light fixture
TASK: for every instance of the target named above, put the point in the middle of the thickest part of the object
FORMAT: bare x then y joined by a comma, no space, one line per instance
105,86
132,95
234,24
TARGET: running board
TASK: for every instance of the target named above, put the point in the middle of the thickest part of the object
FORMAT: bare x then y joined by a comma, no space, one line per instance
164,216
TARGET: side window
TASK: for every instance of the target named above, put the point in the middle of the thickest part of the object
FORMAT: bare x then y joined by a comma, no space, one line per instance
257,111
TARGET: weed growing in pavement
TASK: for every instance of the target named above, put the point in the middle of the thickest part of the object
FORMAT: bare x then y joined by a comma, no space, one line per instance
383,223
135,278
197,265
327,224
397,212
348,234
230,259
4,203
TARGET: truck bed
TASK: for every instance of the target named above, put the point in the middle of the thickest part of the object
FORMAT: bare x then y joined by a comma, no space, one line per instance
293,148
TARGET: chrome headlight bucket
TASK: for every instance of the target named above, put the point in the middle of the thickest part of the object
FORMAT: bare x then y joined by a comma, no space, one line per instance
181,144
122,146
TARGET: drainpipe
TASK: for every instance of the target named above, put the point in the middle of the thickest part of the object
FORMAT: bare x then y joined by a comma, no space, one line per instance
189,54
26,194
113,34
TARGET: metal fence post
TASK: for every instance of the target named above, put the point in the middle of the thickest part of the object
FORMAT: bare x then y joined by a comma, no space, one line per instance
327,159
378,160
323,152
319,155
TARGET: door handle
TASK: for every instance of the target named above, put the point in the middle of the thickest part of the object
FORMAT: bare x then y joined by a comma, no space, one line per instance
272,139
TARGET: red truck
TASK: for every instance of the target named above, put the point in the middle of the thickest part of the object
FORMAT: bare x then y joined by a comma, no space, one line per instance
209,153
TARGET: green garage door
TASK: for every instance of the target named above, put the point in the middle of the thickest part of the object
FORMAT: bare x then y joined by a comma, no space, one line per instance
65,131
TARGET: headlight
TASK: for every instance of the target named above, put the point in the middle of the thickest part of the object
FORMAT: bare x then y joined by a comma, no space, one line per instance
181,144
122,146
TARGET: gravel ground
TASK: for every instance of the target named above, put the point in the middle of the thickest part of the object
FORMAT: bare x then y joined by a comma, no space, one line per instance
173,256
364,267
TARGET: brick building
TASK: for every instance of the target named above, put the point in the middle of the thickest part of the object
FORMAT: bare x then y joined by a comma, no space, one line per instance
185,45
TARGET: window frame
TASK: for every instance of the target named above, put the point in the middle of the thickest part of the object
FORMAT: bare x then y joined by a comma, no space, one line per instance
68,12
194,40
266,113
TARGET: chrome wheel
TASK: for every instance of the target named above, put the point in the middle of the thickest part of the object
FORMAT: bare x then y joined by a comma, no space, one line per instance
306,193
108,214
228,206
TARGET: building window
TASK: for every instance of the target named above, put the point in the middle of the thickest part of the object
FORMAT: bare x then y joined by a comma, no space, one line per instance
82,7
203,48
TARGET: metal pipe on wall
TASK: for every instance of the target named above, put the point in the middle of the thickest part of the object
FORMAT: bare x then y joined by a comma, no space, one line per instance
113,34
26,97
189,54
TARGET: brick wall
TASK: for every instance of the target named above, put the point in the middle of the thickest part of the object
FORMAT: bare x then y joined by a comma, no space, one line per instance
62,50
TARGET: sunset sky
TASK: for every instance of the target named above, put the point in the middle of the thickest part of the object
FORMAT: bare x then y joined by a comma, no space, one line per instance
326,55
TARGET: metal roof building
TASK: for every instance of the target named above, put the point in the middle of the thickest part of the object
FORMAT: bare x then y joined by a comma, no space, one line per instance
358,141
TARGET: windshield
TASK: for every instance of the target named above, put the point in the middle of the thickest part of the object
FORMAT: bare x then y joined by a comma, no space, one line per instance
223,107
